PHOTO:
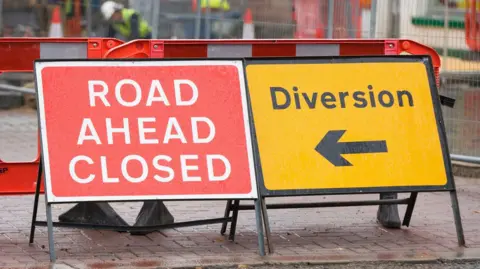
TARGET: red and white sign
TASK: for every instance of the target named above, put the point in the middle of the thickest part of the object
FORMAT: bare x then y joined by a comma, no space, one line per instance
138,130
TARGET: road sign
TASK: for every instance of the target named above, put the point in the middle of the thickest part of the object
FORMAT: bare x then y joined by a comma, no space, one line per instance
139,130
348,125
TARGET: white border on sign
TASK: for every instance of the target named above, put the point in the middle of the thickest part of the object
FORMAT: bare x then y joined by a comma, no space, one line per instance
51,198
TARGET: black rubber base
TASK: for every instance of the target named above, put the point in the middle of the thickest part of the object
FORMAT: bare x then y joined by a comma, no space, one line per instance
93,213
387,215
153,213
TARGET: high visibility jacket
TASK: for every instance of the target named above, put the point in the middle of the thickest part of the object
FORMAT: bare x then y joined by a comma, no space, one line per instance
124,28
216,4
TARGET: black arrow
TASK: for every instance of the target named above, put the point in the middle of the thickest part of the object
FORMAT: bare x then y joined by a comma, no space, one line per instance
331,149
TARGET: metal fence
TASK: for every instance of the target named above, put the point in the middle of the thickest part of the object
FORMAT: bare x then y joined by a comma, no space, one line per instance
421,20
452,32
178,18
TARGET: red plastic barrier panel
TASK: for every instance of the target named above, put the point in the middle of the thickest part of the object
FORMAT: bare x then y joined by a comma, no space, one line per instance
18,55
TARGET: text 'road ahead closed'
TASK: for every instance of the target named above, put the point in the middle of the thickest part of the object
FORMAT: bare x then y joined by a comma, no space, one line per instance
134,130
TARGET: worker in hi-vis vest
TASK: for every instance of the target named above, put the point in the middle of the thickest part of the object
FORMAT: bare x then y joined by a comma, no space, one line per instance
222,19
215,5
125,21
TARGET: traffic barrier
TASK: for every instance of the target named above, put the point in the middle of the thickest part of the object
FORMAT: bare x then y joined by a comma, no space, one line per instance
289,48
238,49
20,178
18,55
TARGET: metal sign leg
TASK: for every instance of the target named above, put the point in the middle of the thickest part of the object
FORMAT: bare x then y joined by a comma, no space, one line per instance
458,219
226,215
267,225
258,218
409,211
35,203
233,226
51,244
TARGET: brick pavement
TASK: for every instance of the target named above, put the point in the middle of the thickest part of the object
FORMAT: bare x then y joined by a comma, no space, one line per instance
315,235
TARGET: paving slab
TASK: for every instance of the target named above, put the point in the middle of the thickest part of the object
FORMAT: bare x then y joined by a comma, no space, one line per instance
299,235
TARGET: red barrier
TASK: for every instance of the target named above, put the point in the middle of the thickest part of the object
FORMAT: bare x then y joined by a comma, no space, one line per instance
472,27
18,54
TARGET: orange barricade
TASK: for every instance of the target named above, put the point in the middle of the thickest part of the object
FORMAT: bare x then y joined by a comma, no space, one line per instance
18,54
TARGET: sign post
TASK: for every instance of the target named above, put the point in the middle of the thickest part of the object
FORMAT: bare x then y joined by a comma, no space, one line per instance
349,125
125,130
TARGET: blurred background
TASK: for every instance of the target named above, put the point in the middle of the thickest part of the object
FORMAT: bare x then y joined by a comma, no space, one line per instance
451,27
417,19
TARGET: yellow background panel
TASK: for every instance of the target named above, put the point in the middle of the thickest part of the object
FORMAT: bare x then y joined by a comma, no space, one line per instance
287,138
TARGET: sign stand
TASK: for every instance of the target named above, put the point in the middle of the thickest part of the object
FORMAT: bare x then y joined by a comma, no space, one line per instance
267,225
410,202
51,243
50,223
35,202
48,208
409,210
228,209
458,218
234,180
287,131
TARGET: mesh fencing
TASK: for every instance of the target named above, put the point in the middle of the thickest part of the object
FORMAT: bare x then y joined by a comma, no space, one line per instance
420,20
446,28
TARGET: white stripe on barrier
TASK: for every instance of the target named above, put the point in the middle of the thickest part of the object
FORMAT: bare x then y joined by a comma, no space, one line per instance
229,51
63,50
318,50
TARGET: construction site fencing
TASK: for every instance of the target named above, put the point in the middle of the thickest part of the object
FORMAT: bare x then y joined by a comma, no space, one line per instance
456,42
181,19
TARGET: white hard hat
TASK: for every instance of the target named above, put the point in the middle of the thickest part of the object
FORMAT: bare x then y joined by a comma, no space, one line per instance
109,7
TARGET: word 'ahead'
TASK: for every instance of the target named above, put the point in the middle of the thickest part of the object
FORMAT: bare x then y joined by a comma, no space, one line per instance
139,130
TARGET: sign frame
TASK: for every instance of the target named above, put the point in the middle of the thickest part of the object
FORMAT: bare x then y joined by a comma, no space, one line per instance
424,59
144,62
252,195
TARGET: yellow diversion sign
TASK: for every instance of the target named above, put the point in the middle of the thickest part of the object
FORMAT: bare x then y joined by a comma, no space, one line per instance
356,123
